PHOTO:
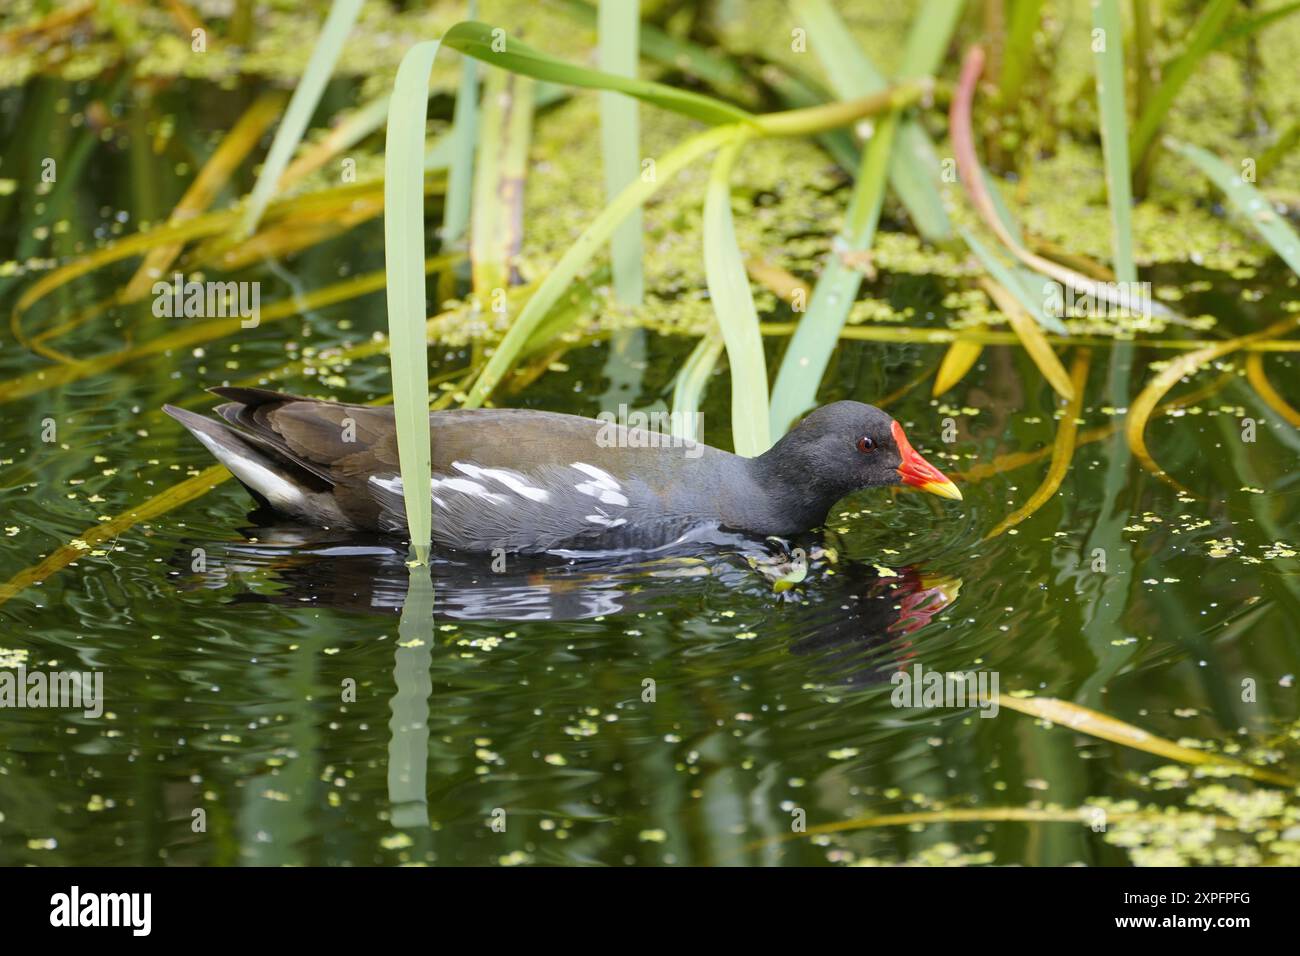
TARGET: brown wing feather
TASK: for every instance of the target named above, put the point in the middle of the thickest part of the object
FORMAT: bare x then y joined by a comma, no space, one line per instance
316,433
312,435
545,450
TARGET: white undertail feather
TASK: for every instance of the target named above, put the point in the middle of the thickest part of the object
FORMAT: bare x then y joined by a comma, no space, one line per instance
252,469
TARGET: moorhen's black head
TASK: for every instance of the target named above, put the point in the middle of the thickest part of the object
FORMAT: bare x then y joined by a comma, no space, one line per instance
846,446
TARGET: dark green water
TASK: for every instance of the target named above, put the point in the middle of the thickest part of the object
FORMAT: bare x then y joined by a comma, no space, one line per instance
520,698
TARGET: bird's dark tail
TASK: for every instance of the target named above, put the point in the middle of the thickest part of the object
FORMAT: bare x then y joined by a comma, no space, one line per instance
271,477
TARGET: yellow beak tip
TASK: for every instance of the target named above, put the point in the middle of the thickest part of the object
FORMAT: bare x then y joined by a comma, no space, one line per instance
944,489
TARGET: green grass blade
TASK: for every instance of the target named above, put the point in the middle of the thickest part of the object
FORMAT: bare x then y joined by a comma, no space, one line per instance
733,305
1246,199
460,167
1000,207
1251,25
718,71
486,255
496,217
1204,36
987,201
620,142
1144,57
692,379
404,261
847,68
438,154
1015,282
582,252
1081,720
1029,285
349,129
1031,338
818,332
914,170
928,38
338,24
1287,138
1018,52
492,45
1109,62
795,93
664,48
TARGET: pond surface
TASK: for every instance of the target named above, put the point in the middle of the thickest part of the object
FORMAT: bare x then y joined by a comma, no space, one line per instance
266,702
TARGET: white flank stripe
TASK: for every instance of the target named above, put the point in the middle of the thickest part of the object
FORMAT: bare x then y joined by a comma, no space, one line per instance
603,478
467,487
514,482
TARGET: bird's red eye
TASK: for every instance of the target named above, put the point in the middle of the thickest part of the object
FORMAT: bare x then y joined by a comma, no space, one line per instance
866,444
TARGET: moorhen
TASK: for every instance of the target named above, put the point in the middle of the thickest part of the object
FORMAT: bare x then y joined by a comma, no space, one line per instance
526,481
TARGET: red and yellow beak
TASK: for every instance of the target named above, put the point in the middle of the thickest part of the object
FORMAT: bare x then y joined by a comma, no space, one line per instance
919,473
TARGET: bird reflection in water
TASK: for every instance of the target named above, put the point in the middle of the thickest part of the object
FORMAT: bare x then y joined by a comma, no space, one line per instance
858,622
855,626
